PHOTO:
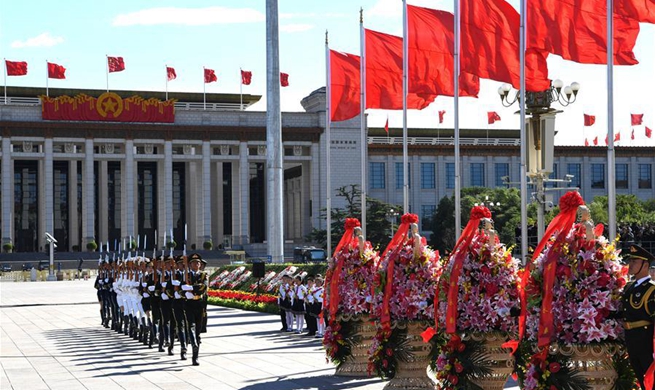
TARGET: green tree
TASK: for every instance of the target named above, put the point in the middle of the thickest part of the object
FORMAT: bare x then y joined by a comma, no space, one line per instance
378,225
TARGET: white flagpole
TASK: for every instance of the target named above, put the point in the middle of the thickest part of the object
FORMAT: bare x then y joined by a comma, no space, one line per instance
523,147
328,141
47,93
362,114
611,169
4,60
458,195
107,68
240,90
405,152
166,81
204,99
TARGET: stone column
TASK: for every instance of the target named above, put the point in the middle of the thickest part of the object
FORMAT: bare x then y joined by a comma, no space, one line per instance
218,231
168,189
103,203
130,193
73,226
206,230
317,186
48,187
7,192
88,190
243,229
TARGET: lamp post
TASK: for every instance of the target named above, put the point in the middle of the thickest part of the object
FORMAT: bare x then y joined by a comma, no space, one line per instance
540,129
392,214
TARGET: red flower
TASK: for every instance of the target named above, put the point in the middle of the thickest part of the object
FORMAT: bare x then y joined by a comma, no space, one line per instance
409,218
453,379
603,280
570,201
459,368
352,223
554,367
389,352
479,212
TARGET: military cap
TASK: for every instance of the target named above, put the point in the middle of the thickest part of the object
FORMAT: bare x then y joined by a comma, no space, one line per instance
195,257
635,252
179,259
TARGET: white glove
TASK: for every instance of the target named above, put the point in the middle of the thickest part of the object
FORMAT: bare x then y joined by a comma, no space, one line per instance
146,295
151,288
187,287
144,284
177,295
164,297
188,295
176,282
163,284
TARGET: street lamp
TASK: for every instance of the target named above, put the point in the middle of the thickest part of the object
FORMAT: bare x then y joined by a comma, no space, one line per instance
540,128
392,214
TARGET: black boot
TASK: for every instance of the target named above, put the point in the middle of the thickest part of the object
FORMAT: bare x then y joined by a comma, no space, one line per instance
194,357
102,317
183,353
126,324
170,349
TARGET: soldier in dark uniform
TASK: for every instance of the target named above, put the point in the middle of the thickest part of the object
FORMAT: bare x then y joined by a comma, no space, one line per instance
167,296
205,299
194,291
178,306
154,287
638,311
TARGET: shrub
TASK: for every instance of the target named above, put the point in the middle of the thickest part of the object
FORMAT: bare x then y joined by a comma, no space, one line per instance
207,245
91,245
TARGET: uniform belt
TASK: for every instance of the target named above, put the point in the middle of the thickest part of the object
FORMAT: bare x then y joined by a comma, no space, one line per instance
636,324
197,297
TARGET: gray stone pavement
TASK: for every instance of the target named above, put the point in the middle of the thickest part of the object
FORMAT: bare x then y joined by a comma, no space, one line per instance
50,338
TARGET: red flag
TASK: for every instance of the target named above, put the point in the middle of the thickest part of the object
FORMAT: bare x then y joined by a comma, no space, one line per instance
430,55
210,76
586,142
490,45
441,114
606,140
617,137
386,125
633,134
596,141
637,119
589,120
16,68
170,73
577,30
116,64
284,79
492,117
649,132
384,64
345,84
640,10
246,77
56,71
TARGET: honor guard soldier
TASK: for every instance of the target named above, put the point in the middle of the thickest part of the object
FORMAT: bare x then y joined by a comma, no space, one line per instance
178,306
155,290
638,311
167,297
205,299
194,289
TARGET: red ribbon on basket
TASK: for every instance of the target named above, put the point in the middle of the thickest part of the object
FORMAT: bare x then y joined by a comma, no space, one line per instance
458,255
351,224
396,244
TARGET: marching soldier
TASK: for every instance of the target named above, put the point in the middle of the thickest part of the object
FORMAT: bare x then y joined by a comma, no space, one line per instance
178,306
167,297
638,311
155,290
194,289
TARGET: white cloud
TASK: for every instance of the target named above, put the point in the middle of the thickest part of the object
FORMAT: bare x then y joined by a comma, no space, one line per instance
43,40
189,16
293,28
394,8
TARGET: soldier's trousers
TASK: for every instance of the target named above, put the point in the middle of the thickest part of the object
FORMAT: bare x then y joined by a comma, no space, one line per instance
180,321
194,318
168,322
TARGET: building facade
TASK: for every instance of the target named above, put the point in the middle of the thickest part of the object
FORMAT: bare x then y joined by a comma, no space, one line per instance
205,174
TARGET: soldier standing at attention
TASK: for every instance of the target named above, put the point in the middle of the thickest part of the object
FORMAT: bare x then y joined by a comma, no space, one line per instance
178,306
638,310
194,290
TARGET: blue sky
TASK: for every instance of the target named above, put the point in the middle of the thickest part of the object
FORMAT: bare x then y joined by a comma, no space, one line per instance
226,35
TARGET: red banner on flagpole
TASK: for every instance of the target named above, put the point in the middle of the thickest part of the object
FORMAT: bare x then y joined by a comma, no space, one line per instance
589,120
16,68
636,119
56,71
170,73
246,77
345,81
441,114
210,76
492,117
284,79
116,64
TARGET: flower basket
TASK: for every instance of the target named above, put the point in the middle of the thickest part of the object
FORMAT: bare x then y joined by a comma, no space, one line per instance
499,360
363,331
413,357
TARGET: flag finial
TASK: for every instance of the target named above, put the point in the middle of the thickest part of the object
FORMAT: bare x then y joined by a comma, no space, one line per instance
326,36
361,15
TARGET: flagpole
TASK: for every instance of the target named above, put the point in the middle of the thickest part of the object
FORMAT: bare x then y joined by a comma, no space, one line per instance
523,147
362,91
204,85
405,153
47,93
241,86
458,194
328,142
166,81
4,60
107,73
611,169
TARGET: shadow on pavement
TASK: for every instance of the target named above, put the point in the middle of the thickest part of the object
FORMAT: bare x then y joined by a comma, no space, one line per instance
315,382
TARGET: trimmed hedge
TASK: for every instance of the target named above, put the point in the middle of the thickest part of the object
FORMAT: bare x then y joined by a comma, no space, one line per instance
245,305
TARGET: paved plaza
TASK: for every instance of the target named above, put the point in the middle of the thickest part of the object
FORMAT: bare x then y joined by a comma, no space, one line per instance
51,338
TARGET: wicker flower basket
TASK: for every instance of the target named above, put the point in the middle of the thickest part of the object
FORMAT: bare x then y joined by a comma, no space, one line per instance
412,375
501,362
593,362
357,364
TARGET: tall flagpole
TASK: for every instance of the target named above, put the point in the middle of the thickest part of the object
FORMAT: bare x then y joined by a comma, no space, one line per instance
47,93
611,169
166,81
523,147
328,141
4,60
458,195
107,68
204,86
362,114
241,90
405,153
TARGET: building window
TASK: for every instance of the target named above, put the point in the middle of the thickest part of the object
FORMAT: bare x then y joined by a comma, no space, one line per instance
576,171
450,175
377,175
597,175
400,177
622,176
427,176
645,176
477,175
427,212
502,170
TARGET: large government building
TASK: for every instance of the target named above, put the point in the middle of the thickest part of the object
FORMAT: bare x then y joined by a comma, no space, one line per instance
96,181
